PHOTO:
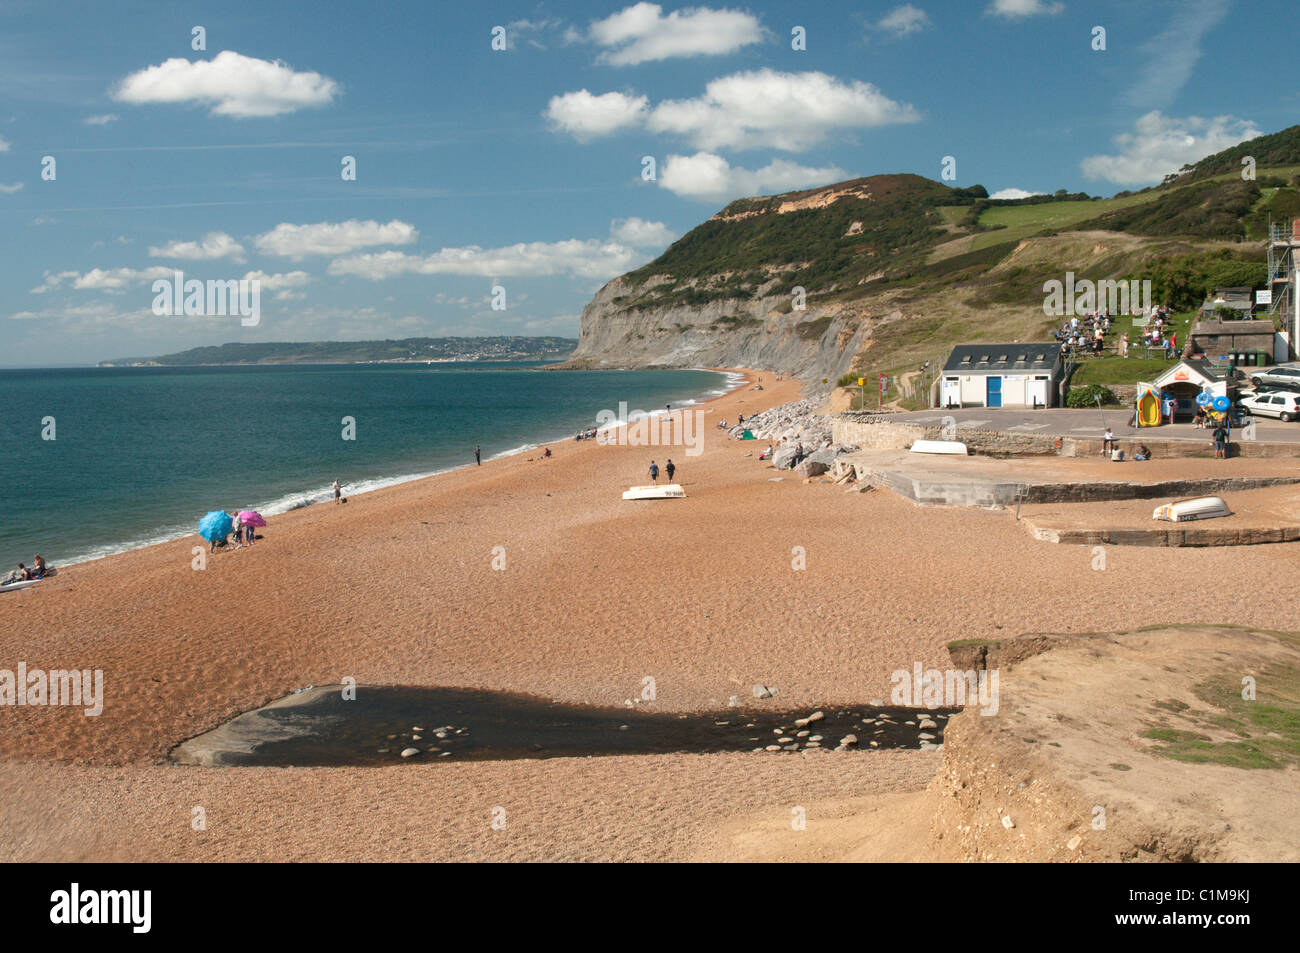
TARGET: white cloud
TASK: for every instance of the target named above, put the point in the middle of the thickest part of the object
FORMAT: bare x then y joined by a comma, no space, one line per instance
213,246
641,33
1168,58
1017,9
708,177
903,20
332,238
1013,194
102,279
281,283
531,32
11,189
638,233
767,109
1160,145
233,84
4,146
585,116
591,258
100,120
279,280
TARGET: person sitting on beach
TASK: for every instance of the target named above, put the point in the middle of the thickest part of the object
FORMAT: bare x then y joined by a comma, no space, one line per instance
1143,452
21,574
39,569
547,454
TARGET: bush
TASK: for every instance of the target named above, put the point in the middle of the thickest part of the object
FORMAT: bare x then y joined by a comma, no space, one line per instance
1087,396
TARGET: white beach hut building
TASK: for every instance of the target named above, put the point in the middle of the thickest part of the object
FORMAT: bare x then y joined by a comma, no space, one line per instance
1001,375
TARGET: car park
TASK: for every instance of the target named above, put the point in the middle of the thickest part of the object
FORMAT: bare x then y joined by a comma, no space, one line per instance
1282,376
1285,405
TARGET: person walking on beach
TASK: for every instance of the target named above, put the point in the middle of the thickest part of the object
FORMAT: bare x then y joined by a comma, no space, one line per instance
654,472
338,492
670,468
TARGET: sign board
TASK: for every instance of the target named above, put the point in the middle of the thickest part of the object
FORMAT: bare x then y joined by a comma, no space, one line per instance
1264,297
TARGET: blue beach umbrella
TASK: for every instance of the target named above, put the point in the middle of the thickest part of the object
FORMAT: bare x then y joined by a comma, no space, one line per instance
215,526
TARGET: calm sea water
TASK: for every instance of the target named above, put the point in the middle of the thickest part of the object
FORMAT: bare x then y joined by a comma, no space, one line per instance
140,454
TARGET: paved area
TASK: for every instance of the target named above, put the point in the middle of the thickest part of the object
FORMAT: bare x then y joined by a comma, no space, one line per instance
1084,424
1004,481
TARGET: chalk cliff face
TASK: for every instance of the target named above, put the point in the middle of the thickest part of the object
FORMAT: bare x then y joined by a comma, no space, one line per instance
811,344
773,282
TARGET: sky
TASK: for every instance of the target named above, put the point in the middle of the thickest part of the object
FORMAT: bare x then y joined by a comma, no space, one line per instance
509,159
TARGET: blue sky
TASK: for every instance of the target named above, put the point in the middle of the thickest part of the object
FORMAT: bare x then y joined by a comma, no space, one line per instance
523,167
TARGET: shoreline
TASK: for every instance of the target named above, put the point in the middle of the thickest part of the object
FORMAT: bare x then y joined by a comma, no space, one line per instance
733,379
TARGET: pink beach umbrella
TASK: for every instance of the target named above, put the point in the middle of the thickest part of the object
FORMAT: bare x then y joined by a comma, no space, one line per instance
250,518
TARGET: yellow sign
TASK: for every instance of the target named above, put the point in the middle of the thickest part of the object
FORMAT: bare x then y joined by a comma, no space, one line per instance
862,381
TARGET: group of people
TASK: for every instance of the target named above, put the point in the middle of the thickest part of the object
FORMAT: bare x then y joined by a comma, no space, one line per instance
244,534
1160,333
1110,447
669,468
588,434
38,570
1087,333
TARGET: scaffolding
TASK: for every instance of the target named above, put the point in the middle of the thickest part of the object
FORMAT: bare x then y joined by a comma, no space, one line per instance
1283,259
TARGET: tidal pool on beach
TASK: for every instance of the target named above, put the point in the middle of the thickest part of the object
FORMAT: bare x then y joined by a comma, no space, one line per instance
320,727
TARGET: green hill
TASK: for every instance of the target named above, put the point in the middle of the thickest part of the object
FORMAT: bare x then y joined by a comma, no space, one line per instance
899,268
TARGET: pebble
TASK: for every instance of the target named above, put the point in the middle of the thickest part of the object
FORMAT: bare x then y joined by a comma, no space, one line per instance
772,748
445,754
417,737
410,752
817,716
849,740
784,741
925,736
928,723
801,734
762,691
815,738
814,744
875,744
800,722
440,734
1007,822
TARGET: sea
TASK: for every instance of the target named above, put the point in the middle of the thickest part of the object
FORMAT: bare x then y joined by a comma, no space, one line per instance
96,461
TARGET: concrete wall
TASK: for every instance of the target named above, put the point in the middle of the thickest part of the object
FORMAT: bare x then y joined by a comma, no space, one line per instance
891,436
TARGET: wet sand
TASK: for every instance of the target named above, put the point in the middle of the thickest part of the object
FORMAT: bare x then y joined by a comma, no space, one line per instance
398,587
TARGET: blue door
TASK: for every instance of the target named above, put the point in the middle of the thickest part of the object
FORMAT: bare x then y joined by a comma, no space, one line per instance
995,392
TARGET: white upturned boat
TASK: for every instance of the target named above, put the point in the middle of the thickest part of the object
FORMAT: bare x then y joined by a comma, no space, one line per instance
1201,508
939,446
666,491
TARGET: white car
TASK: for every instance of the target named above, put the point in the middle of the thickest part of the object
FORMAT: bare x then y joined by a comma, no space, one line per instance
1282,374
1284,405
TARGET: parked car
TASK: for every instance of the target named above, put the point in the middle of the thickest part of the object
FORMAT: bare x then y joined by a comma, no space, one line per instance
1283,375
1285,405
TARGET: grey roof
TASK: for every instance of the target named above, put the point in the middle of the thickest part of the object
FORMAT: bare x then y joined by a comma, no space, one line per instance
985,358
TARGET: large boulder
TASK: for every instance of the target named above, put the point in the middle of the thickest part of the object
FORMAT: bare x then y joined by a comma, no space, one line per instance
810,468
783,457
